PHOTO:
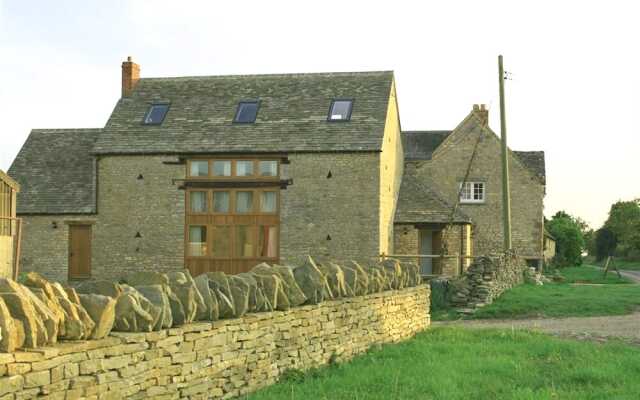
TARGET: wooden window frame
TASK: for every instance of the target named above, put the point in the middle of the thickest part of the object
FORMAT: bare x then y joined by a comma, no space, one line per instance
208,196
211,196
211,215
256,219
206,242
256,165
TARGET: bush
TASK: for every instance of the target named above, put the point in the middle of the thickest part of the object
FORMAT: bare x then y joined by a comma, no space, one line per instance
569,239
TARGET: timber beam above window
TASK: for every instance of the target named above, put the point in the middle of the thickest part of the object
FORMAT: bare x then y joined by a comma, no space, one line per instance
182,160
282,184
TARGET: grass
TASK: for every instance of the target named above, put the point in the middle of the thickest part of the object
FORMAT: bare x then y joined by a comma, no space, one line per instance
610,296
454,363
591,275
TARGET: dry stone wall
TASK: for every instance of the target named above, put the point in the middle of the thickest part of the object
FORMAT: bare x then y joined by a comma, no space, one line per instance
218,359
486,279
173,336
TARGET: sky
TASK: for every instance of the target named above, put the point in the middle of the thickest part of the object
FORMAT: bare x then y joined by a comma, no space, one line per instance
575,66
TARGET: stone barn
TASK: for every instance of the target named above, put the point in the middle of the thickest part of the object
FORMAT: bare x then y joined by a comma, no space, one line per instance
216,173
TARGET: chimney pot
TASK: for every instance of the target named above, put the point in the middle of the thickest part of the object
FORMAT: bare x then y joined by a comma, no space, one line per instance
130,76
476,107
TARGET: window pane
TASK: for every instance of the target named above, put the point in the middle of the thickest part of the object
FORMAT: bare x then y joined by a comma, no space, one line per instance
247,112
221,241
156,114
244,241
198,201
221,202
340,110
197,241
244,202
268,241
466,191
478,191
268,202
199,168
222,168
244,168
268,168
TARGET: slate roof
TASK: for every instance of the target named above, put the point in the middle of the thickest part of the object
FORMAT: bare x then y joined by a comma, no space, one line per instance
418,203
534,160
420,145
292,114
56,172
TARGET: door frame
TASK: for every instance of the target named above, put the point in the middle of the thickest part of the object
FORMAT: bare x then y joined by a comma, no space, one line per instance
425,236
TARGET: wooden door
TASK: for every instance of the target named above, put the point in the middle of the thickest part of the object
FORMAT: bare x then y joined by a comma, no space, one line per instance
79,251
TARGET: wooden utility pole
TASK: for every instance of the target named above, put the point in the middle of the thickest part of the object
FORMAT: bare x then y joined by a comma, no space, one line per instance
506,194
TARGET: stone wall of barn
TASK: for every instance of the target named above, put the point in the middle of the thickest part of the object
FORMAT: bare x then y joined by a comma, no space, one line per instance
140,221
218,359
141,215
332,207
45,244
139,225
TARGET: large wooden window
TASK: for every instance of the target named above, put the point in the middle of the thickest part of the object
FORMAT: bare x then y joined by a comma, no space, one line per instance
233,214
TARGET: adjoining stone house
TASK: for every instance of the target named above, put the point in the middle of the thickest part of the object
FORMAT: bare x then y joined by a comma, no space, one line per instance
435,166
215,173
9,225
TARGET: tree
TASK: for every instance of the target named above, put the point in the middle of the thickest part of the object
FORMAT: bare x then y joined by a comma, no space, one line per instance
624,222
606,243
570,244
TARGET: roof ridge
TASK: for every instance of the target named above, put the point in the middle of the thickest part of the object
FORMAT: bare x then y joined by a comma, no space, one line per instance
273,75
54,130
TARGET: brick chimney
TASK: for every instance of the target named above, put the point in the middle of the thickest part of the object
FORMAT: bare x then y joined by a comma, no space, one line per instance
130,76
482,112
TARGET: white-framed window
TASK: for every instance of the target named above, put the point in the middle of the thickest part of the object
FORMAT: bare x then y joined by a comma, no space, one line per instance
473,192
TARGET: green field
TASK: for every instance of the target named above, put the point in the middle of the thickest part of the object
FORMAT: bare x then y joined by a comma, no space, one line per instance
583,293
454,363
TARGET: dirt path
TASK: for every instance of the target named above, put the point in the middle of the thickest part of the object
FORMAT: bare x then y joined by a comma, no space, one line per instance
633,275
626,327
